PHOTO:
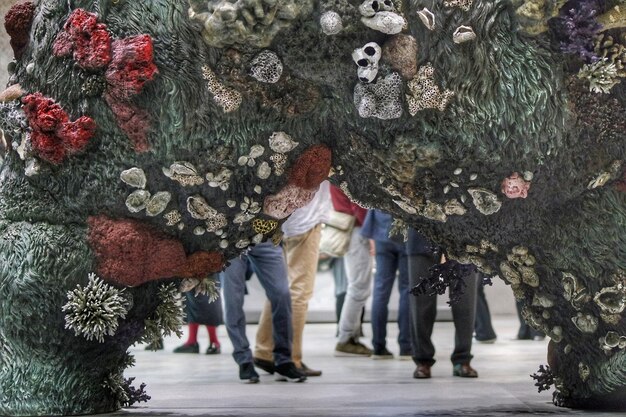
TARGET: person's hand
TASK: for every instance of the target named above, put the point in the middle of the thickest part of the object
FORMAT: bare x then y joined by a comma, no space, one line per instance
443,259
372,248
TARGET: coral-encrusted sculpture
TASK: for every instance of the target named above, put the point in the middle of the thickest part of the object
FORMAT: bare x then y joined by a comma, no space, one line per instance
149,142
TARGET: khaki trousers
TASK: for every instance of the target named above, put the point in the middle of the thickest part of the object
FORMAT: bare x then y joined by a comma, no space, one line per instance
301,252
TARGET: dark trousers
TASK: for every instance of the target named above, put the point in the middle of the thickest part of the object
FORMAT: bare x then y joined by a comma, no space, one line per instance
482,326
424,311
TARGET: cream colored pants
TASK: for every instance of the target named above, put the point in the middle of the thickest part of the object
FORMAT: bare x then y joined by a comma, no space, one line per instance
301,252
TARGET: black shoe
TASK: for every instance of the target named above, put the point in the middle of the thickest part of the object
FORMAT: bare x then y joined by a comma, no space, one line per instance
382,354
289,372
192,348
305,370
267,366
213,349
156,345
247,373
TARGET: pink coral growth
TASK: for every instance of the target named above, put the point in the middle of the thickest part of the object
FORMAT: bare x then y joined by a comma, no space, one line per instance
287,200
515,186
86,38
54,136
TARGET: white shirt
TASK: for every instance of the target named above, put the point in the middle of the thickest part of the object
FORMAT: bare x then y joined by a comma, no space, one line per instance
305,218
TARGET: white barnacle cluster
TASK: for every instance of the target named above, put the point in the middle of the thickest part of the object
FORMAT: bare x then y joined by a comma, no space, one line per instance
94,311
428,18
141,199
367,58
612,340
249,22
249,209
331,23
220,180
464,5
184,173
199,209
424,93
227,98
250,160
266,67
519,268
381,99
381,15
281,144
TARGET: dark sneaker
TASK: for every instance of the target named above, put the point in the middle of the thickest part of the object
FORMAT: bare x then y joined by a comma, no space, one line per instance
464,370
156,345
352,348
192,348
382,354
267,366
247,373
289,372
213,349
305,370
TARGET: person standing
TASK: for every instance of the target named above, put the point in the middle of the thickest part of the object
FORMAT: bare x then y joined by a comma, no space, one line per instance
301,242
483,329
391,260
358,264
422,256
268,262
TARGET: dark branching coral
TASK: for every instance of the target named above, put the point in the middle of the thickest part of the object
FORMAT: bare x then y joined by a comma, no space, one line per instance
134,395
450,274
544,378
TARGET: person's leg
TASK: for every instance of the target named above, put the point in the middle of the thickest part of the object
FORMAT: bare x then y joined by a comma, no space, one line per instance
404,313
423,311
524,332
214,343
234,285
269,264
358,263
482,327
301,252
463,314
264,344
386,265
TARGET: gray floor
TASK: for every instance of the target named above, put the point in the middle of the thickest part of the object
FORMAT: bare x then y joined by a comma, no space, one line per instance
203,385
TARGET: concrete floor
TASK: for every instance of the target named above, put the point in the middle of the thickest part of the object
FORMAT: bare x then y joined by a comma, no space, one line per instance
204,385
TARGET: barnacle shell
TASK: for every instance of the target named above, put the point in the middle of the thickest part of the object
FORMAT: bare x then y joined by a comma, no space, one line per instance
427,17
485,201
463,34
137,200
264,170
199,208
135,177
612,300
281,142
158,203
585,323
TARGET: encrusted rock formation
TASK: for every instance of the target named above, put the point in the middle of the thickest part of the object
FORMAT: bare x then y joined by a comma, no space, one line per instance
149,141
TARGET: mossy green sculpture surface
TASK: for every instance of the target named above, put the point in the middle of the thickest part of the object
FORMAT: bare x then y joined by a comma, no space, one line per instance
152,140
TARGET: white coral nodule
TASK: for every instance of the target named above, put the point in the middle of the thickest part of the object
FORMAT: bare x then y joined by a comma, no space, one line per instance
602,76
93,311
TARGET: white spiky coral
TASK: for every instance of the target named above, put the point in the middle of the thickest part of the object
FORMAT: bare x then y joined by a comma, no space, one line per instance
94,310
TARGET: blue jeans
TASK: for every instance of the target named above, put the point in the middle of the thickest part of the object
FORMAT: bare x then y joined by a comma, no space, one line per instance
268,262
390,257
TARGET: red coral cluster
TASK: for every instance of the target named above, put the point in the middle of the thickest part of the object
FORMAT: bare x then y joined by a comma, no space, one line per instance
87,39
311,168
131,68
132,253
54,136
17,23
129,65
